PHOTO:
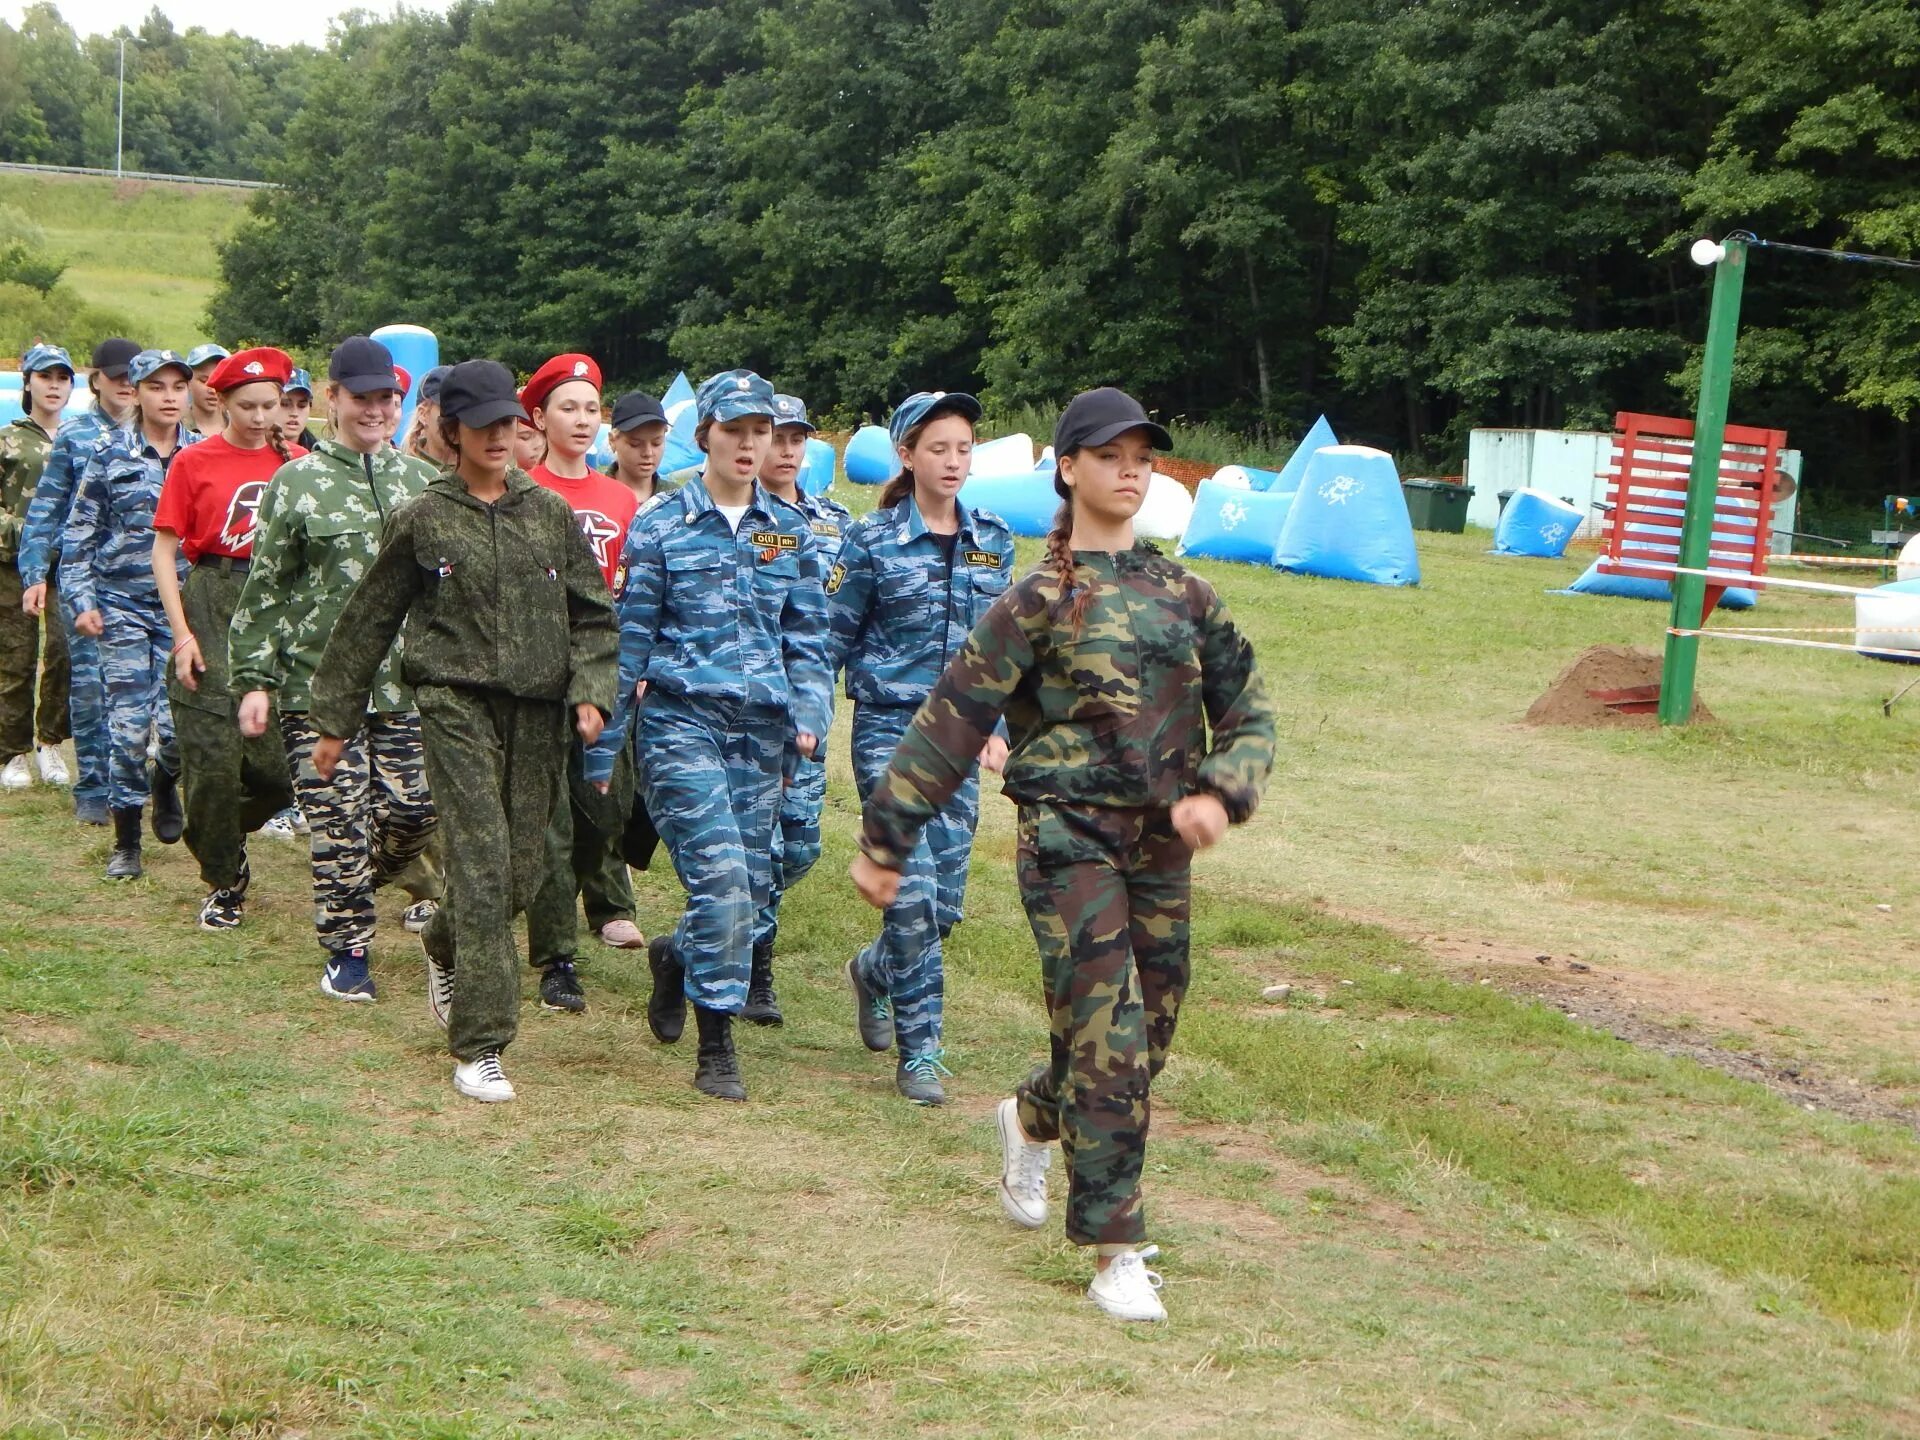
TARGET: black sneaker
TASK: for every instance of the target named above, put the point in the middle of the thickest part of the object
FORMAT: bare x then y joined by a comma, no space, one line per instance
763,1007
169,820
870,1011
560,988
667,1006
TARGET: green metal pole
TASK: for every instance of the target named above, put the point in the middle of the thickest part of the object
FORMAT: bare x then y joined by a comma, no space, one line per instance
1703,484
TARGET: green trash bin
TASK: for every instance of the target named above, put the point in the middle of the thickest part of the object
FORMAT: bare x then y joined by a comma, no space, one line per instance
1436,505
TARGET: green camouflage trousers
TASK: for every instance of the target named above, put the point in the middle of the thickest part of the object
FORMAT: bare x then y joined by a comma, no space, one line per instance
21,727
1107,893
583,863
496,764
231,785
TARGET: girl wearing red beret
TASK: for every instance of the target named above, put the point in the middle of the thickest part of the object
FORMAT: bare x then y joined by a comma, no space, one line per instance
233,785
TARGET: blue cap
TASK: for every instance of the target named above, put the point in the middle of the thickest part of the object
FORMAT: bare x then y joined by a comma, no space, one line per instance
923,405
46,357
734,395
148,362
299,380
201,354
790,410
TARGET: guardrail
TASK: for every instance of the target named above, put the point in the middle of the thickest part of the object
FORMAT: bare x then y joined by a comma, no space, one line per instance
138,175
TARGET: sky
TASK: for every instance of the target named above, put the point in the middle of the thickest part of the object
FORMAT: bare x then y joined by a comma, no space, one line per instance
279,24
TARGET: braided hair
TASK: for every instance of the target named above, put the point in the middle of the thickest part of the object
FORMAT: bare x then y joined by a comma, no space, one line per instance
279,443
1074,597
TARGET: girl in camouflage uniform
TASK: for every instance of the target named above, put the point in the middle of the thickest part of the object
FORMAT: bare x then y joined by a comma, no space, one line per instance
1140,730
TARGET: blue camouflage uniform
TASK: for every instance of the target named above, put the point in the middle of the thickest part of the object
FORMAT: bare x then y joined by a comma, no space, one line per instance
899,609
106,564
728,630
74,444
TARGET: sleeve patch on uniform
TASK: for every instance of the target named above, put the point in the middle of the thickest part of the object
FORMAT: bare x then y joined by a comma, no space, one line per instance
983,557
834,578
774,540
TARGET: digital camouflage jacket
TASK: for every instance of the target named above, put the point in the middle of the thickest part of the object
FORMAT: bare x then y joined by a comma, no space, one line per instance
24,447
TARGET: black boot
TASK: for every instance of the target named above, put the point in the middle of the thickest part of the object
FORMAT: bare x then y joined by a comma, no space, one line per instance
124,863
169,820
667,1006
762,1007
717,1072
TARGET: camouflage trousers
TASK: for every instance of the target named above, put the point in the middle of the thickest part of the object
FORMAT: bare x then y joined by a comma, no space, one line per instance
136,649
904,962
583,863
366,825
796,840
1107,894
86,704
231,785
711,779
21,673
497,764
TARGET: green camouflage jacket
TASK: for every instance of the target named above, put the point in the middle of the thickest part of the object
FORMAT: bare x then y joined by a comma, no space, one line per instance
1118,713
23,455
504,597
317,532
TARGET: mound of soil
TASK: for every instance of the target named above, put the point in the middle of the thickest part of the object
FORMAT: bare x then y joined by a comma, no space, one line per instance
1573,698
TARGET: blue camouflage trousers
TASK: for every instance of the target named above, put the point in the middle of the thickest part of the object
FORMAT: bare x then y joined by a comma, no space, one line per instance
86,706
136,647
711,777
796,840
904,962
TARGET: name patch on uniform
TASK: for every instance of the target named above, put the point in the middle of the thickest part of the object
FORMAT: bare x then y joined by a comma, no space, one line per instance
983,557
774,540
834,577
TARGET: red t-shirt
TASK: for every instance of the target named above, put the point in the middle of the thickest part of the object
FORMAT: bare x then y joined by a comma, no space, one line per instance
212,494
603,506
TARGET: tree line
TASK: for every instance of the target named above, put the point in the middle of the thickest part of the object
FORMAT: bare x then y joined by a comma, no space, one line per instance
1418,218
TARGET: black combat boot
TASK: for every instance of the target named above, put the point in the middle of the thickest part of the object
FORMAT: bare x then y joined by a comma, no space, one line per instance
667,1006
717,1072
124,863
169,820
762,1007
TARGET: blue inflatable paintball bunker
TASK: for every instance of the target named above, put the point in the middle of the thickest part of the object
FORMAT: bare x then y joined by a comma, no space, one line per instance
1349,520
1318,437
870,459
1024,500
816,471
1245,477
682,451
1641,587
1229,523
1536,523
416,350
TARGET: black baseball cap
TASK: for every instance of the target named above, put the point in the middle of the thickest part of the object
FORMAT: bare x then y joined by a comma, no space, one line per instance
634,409
111,357
479,392
362,366
431,382
1093,417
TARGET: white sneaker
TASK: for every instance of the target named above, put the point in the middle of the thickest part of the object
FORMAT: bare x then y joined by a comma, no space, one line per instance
622,935
415,917
1023,1169
18,775
1126,1289
439,991
53,766
278,828
483,1079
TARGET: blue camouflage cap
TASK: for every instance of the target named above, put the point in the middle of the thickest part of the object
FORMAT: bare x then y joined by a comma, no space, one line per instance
734,395
149,362
299,380
201,354
923,405
790,410
46,357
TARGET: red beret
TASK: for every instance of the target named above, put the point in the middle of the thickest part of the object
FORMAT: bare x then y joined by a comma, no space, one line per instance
555,373
403,382
245,367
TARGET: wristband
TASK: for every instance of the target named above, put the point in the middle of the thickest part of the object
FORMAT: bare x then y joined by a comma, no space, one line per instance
184,643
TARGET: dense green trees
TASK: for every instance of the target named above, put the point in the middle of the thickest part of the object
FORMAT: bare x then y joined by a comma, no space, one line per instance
1417,217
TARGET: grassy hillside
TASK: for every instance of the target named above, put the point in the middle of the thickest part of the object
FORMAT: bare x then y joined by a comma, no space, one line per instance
1409,1200
144,249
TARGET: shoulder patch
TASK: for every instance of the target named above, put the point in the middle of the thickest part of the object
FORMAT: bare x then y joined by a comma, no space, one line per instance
835,578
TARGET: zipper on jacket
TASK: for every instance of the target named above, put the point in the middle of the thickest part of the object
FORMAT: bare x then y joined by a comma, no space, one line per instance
374,490
946,625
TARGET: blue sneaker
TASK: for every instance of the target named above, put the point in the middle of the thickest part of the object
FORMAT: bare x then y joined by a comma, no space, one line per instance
346,976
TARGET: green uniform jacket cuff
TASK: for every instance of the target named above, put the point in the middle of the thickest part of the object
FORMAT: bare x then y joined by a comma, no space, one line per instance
341,719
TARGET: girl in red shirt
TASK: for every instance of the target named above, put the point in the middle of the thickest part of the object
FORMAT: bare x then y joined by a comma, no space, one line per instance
232,785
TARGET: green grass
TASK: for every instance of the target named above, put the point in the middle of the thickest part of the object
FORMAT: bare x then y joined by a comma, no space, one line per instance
143,249
1409,1204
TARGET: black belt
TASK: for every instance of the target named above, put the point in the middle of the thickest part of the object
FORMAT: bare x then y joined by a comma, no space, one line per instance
225,564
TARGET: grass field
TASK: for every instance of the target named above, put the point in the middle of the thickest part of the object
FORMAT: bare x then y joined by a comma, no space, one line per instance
1401,1203
145,249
